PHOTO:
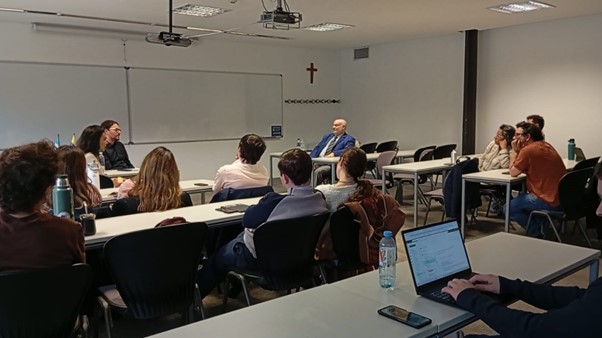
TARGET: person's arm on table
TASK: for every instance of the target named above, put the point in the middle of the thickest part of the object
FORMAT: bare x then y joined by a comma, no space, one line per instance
259,213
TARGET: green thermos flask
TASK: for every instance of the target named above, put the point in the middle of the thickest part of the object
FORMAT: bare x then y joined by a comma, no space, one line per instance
62,198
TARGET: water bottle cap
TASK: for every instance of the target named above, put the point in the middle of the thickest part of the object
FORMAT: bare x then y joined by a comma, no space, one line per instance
572,140
388,233
62,181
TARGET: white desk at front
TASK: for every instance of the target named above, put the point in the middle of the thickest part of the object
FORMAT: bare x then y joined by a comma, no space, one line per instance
201,186
108,228
112,173
498,177
348,308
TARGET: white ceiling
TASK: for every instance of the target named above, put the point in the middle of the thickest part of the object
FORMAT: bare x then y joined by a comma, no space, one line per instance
375,21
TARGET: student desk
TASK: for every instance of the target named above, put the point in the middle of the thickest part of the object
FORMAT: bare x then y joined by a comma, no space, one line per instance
112,173
108,228
348,308
110,194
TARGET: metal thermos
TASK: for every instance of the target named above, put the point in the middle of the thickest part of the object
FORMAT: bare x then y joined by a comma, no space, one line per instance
62,198
571,149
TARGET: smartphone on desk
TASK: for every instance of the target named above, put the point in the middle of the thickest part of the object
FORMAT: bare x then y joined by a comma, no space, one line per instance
200,184
404,316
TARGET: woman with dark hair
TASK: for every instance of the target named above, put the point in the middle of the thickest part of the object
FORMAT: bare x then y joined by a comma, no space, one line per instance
156,187
92,141
72,162
30,238
351,166
497,153
245,172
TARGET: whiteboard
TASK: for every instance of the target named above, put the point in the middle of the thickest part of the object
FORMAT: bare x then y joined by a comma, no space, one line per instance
169,105
40,100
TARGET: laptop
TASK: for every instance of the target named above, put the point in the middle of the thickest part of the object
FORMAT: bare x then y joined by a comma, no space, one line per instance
436,254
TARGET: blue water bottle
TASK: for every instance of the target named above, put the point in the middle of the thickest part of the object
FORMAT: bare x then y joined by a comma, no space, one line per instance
387,259
572,149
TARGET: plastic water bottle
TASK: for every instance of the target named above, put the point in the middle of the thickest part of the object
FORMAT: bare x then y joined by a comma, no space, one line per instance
302,144
93,172
454,156
101,160
572,149
387,258
62,198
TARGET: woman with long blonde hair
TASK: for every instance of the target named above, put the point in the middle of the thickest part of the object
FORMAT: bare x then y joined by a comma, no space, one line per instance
157,186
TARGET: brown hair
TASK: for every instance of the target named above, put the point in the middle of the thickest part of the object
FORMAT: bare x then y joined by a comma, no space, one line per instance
72,162
107,124
158,183
26,173
89,140
354,161
296,164
251,148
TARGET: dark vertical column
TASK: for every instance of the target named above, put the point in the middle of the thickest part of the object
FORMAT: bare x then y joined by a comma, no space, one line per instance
470,91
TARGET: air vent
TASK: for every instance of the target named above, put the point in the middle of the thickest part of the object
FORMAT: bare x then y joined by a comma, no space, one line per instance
361,53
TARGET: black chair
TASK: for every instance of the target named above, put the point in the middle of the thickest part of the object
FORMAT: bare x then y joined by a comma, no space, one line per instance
386,146
106,182
441,152
344,231
44,302
285,255
368,148
589,163
572,196
421,154
154,272
234,194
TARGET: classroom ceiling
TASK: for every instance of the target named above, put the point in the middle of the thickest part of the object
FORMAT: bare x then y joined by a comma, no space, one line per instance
375,21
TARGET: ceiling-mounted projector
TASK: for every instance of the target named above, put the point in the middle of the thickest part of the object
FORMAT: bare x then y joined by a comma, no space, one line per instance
281,19
168,39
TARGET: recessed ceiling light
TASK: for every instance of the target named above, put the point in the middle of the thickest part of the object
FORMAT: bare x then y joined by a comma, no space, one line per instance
521,7
327,27
198,10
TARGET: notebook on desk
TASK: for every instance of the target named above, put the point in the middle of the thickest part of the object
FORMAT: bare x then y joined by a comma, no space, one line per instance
229,209
436,254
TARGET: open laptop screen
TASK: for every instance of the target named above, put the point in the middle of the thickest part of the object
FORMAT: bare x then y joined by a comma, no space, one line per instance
435,251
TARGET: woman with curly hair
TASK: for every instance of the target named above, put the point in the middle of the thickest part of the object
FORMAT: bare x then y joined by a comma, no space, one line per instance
30,238
156,187
92,141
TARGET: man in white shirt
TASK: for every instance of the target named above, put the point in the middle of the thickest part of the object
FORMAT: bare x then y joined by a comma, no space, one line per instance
245,172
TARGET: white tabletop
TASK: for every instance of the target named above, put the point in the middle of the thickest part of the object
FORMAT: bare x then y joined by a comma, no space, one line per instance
108,228
498,176
419,167
189,186
112,173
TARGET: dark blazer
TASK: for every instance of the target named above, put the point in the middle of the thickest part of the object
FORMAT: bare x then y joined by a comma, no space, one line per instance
345,141
127,206
452,189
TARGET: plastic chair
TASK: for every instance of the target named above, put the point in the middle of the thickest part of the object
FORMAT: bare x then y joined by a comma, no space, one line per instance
44,302
368,148
154,272
106,182
234,194
589,163
421,154
441,152
571,192
384,158
386,146
285,255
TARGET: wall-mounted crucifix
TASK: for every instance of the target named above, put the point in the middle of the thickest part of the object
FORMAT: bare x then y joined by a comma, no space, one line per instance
311,71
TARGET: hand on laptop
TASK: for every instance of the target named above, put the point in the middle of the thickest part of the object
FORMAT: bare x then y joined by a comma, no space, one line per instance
487,283
456,286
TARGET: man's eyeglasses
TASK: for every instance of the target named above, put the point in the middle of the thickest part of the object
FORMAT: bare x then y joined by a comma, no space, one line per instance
116,129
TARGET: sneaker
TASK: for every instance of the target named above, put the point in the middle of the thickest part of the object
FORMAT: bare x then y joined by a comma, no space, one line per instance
496,208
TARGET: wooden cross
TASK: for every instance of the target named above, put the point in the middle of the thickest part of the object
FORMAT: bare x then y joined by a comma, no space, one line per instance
311,71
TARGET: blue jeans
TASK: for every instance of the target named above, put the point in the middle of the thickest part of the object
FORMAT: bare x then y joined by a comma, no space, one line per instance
521,207
234,254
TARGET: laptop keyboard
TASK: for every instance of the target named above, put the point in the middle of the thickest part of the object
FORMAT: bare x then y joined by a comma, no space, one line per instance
446,297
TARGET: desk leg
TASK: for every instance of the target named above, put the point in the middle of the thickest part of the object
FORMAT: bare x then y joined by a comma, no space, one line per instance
463,207
333,173
594,270
383,188
202,197
271,172
415,198
507,211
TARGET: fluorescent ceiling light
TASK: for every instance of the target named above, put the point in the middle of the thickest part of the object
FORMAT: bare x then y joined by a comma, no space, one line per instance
521,7
327,27
198,10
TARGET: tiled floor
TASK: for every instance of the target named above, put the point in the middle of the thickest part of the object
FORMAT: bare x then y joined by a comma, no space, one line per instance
483,227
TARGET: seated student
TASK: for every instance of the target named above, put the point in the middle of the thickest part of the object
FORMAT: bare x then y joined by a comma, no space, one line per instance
245,172
571,311
350,168
72,162
116,157
157,186
302,200
92,141
31,238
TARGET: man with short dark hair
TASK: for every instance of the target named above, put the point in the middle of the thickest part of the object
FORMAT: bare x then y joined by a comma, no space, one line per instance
544,169
332,144
116,157
302,200
536,120
245,172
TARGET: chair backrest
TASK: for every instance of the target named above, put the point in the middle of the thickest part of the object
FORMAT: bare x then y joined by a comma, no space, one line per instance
368,148
155,269
344,230
42,303
384,158
452,189
106,182
579,155
235,194
589,163
386,146
421,154
285,250
572,194
443,151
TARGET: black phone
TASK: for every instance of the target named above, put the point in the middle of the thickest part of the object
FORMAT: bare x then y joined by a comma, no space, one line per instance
404,316
201,184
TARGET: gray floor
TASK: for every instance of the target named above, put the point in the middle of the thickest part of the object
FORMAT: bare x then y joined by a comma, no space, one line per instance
483,227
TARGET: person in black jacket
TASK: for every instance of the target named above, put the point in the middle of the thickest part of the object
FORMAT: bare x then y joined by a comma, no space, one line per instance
116,157
571,311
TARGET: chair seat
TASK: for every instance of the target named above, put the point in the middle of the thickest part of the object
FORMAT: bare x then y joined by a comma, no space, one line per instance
403,177
112,296
437,193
